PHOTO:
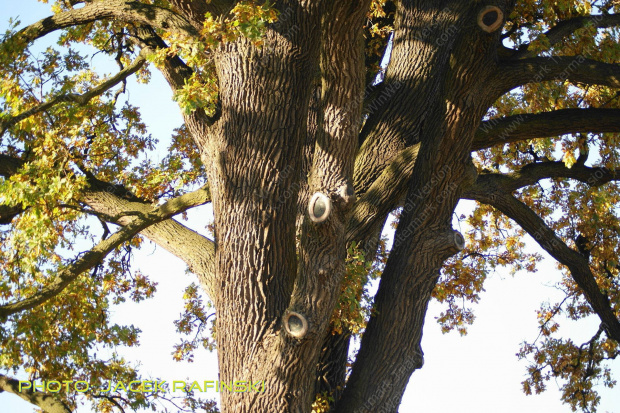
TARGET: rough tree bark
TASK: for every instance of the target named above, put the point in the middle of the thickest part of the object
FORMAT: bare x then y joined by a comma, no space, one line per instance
289,125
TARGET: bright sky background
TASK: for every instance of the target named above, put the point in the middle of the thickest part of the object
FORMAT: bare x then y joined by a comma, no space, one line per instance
471,374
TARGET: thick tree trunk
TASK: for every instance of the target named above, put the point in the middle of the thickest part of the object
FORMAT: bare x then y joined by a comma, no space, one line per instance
451,61
261,143
254,153
288,132
251,151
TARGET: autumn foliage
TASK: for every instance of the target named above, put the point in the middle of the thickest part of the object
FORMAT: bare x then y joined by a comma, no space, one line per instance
70,137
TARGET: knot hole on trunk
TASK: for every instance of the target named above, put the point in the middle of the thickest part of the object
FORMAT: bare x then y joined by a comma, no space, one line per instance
490,18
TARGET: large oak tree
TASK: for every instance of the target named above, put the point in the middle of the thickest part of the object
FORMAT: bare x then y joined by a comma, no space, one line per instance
306,124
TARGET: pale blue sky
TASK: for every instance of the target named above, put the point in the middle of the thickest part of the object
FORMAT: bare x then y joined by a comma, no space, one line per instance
472,374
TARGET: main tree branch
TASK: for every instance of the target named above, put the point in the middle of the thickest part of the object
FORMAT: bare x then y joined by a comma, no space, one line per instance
535,172
541,125
9,165
47,402
383,195
576,69
93,257
8,212
578,265
565,28
176,73
121,207
132,12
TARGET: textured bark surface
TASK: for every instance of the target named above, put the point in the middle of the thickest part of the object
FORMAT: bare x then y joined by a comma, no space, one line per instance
255,212
423,239
296,117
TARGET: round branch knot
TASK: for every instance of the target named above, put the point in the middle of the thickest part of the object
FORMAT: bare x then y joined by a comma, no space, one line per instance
490,18
295,324
319,207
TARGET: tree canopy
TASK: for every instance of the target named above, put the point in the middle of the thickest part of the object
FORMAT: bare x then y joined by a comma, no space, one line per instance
307,125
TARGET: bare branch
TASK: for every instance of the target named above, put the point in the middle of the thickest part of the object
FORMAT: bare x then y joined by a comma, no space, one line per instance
550,242
576,69
45,401
93,257
565,28
82,99
547,124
